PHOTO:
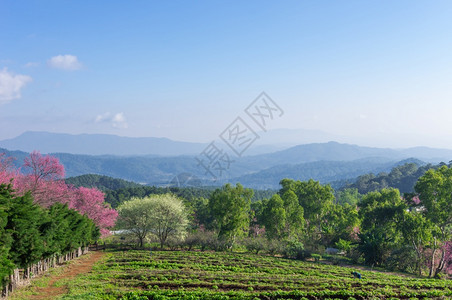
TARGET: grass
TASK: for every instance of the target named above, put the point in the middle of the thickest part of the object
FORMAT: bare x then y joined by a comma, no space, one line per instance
208,275
39,282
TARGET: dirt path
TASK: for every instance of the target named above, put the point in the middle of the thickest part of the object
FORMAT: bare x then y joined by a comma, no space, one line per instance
79,266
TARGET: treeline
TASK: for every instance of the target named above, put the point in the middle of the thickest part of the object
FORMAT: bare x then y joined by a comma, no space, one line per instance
402,177
190,194
34,238
101,182
412,233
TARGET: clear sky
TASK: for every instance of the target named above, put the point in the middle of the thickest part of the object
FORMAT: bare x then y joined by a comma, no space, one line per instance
377,72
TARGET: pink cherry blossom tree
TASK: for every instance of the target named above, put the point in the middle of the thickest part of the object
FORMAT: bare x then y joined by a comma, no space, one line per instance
90,202
43,168
42,175
7,171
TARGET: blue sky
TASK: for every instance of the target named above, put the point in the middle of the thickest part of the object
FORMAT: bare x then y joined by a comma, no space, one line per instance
373,72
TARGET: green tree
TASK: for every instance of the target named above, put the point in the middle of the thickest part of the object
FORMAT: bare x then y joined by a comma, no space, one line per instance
435,193
6,265
417,233
162,215
294,215
374,245
230,209
340,223
380,212
349,195
315,199
170,218
24,221
274,216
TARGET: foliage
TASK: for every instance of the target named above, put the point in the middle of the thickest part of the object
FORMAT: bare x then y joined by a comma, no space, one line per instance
42,177
6,265
380,212
274,217
402,177
161,215
296,250
435,194
255,244
29,232
90,202
315,199
230,209
349,196
340,222
101,182
189,194
229,275
375,246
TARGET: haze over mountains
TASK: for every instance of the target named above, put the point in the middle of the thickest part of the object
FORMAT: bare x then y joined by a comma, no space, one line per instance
158,160
98,144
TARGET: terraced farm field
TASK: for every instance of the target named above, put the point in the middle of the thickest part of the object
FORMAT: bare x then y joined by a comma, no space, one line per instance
208,275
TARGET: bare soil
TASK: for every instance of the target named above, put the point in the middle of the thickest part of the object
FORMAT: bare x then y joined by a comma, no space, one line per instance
81,265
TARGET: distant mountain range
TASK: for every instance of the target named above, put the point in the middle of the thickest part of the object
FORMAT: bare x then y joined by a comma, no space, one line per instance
326,162
99,144
336,172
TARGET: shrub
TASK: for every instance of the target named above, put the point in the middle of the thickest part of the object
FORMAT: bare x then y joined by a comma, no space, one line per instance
344,245
295,249
274,247
403,259
255,244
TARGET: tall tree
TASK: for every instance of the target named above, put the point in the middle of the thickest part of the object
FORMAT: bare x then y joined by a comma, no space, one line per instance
294,215
42,175
90,202
380,212
274,217
170,217
435,195
417,233
24,221
162,215
340,223
315,199
230,209
6,265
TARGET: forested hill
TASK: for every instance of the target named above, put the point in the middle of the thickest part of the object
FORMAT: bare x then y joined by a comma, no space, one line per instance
190,194
101,182
325,162
402,177
119,190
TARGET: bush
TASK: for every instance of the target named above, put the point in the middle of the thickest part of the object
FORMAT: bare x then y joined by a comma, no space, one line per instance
354,255
403,259
344,245
295,249
193,240
317,257
175,244
255,244
205,240
274,247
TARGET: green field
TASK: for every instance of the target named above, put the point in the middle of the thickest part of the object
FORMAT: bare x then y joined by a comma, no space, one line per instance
209,275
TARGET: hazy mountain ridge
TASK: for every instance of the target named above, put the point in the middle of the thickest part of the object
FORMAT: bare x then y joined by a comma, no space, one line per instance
99,144
326,162
323,171
102,182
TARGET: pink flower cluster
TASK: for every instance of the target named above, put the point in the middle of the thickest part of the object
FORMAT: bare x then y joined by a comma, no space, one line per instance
42,176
